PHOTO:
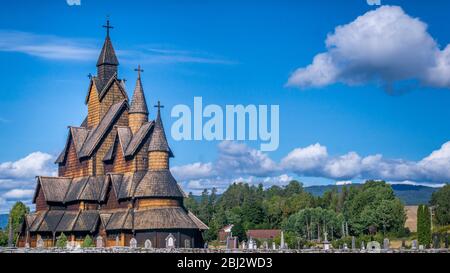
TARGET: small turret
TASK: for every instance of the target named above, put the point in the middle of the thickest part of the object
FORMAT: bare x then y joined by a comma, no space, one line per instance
158,148
138,113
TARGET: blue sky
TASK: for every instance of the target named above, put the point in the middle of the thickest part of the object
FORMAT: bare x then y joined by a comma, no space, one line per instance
229,52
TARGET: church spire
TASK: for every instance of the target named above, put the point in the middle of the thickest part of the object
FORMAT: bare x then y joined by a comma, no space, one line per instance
158,142
138,103
107,61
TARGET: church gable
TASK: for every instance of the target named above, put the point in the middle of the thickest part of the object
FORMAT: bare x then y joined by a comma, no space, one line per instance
93,104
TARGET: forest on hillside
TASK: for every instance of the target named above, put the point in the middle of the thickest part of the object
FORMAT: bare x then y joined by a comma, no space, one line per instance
363,210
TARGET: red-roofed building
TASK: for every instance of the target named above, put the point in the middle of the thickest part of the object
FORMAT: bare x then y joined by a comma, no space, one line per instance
263,234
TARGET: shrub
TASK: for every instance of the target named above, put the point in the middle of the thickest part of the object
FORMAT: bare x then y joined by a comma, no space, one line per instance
61,241
88,242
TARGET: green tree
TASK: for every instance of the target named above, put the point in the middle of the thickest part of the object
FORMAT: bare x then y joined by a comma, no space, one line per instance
61,241
87,242
17,216
3,238
424,225
440,200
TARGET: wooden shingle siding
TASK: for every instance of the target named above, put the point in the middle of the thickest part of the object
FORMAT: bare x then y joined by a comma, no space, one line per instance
106,144
113,95
136,121
72,167
41,204
158,161
93,107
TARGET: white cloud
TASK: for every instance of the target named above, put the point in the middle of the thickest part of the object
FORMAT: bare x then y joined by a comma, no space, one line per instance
305,159
343,183
73,2
18,194
239,163
241,159
194,170
384,46
37,163
58,48
17,178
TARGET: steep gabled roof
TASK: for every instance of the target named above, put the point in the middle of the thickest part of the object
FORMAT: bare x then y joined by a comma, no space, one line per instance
103,87
138,102
107,55
158,141
138,138
105,124
54,188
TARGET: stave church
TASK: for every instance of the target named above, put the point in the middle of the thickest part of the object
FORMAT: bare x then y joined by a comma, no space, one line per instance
114,182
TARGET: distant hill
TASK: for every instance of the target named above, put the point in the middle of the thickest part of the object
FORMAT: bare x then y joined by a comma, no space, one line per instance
3,220
409,194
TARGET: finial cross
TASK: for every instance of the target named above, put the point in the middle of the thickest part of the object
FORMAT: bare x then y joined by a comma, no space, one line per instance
108,27
139,70
159,106
89,76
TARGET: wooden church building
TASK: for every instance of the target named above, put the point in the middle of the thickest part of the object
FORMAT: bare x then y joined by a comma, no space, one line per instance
113,181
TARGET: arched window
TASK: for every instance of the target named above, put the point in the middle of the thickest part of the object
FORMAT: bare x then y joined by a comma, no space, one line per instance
170,241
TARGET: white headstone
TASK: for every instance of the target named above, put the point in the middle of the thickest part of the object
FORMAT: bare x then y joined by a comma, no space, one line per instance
282,246
99,241
40,243
148,244
274,246
373,246
133,243
170,241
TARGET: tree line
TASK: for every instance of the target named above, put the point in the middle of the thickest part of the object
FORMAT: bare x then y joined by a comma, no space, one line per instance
358,211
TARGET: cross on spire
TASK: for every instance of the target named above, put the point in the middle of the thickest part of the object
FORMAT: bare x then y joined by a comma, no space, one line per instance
159,106
108,27
89,76
139,70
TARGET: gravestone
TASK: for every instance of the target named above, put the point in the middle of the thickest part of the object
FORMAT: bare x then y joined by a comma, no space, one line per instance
117,241
99,241
40,243
205,245
345,246
386,244
274,246
266,245
436,241
363,246
414,245
353,242
148,244
373,247
421,247
133,243
243,245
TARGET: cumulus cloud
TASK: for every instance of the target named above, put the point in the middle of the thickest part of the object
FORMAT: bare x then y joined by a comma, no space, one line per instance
37,163
18,194
384,46
17,178
193,171
236,162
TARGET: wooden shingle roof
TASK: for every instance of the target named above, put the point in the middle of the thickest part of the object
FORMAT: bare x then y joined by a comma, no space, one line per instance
138,102
158,183
158,140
